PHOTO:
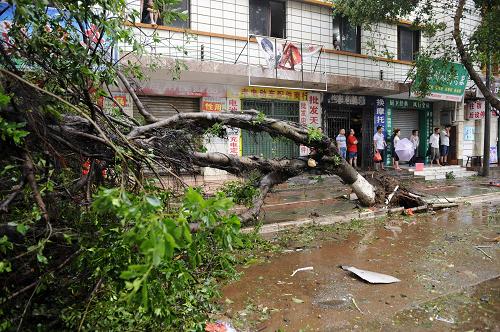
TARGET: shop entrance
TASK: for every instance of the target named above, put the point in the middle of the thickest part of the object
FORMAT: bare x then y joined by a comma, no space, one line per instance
358,118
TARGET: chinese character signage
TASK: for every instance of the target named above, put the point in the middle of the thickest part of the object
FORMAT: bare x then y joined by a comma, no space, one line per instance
441,87
269,93
122,100
469,133
380,115
233,104
403,104
475,110
346,100
233,141
310,116
213,104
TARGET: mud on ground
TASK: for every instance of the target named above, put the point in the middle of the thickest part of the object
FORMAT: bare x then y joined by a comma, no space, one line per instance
447,282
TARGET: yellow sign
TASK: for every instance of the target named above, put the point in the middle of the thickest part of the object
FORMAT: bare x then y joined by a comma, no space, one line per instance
271,93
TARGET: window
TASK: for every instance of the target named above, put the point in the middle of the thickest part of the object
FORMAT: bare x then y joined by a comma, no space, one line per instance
151,13
268,18
345,36
408,43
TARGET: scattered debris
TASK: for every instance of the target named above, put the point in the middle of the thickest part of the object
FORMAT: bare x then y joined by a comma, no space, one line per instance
391,195
308,268
445,320
481,250
371,277
393,228
496,239
356,305
485,298
219,326
296,300
408,212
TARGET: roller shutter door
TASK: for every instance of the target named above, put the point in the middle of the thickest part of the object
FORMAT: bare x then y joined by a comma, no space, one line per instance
164,107
405,120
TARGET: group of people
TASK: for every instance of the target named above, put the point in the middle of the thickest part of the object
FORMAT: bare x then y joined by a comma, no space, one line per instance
439,145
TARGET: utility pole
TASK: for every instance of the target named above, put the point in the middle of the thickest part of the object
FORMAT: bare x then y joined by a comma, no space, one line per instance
487,106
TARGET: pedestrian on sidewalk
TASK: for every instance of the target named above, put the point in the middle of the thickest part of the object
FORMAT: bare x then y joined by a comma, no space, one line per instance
434,142
379,145
445,144
415,140
395,140
352,148
342,143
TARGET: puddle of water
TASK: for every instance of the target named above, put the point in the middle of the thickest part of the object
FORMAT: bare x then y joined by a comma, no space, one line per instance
432,255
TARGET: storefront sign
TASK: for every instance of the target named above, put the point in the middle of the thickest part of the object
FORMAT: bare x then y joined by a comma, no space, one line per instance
213,104
233,141
270,93
233,105
310,116
476,110
122,99
380,115
469,133
346,100
409,104
442,88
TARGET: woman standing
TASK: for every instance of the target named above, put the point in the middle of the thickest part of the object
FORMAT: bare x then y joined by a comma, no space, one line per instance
395,140
415,140
352,149
379,145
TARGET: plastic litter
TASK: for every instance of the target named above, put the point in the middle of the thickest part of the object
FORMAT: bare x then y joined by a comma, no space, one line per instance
308,268
371,277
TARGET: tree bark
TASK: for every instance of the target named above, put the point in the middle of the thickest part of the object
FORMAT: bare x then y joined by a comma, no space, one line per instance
140,107
466,61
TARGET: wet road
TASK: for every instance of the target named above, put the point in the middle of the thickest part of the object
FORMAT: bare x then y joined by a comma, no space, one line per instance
434,255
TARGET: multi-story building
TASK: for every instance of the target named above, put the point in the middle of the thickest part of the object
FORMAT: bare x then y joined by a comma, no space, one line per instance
293,60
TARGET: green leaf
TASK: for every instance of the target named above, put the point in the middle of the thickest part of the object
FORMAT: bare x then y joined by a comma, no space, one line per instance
41,258
153,201
296,300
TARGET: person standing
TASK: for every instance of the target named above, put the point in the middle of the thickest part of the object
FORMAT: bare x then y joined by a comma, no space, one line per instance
445,144
342,143
352,148
434,142
379,146
415,140
395,157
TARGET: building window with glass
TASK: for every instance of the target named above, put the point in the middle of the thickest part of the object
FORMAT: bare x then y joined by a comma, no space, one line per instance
408,43
152,13
268,18
346,37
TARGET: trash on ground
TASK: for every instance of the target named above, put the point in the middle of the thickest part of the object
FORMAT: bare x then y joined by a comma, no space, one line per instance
296,300
308,268
371,277
449,321
408,212
393,228
219,326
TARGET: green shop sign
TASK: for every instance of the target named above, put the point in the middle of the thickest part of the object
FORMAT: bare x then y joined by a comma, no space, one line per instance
444,88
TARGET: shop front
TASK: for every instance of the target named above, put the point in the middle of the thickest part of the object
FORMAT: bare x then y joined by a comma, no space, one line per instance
406,115
282,104
351,112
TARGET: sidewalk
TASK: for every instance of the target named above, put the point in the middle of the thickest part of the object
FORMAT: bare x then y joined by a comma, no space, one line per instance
323,199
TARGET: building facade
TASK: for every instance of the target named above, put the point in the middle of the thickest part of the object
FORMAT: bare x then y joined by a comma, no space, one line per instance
291,60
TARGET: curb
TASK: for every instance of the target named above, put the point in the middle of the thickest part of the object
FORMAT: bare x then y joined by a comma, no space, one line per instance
367,215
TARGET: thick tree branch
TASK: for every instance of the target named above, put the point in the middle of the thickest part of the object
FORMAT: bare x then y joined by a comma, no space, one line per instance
29,174
466,61
140,107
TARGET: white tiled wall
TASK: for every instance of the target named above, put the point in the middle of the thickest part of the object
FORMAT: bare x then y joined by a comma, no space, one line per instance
305,23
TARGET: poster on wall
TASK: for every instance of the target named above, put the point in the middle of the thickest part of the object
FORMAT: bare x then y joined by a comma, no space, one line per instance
469,133
233,141
124,100
493,155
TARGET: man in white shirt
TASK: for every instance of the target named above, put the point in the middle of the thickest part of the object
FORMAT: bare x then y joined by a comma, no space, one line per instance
445,144
434,142
379,145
